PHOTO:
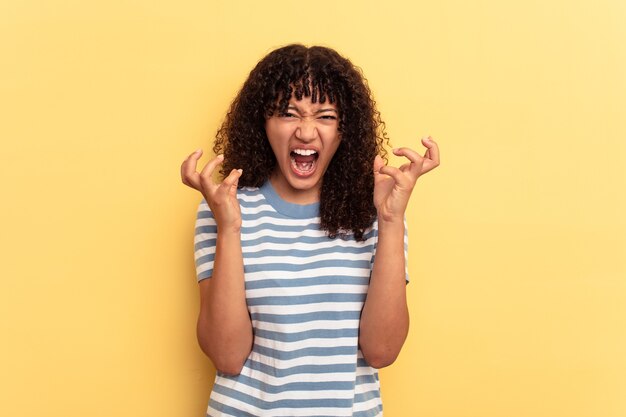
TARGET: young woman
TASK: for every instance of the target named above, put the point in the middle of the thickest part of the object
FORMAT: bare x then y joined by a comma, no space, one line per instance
301,248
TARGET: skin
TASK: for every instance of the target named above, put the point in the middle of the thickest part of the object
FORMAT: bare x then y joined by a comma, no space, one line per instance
224,327
308,126
385,317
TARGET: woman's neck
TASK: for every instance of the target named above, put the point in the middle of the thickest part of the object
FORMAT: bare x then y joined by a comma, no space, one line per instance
294,195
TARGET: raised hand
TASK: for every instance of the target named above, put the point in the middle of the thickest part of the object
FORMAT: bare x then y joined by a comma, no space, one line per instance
222,198
393,186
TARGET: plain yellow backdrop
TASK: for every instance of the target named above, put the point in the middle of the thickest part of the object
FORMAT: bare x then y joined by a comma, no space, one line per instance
517,241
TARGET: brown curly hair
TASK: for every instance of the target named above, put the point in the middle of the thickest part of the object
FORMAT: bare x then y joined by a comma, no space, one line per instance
346,196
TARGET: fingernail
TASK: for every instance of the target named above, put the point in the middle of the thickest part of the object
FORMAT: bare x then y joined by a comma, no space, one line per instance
198,150
240,170
220,156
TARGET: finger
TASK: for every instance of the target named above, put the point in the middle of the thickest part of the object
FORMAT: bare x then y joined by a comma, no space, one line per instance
195,154
229,185
378,163
208,169
405,167
433,154
398,176
188,172
416,160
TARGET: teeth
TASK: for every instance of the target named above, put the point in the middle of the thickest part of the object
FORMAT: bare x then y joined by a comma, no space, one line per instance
304,152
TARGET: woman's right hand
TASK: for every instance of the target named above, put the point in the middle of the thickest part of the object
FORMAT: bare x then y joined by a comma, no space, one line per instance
222,198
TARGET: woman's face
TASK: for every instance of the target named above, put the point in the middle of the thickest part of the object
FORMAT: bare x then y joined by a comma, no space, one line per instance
304,140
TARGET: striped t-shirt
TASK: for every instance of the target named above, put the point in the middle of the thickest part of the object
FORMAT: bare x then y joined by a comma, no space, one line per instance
305,293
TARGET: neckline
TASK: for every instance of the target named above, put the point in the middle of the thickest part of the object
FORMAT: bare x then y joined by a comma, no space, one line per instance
298,211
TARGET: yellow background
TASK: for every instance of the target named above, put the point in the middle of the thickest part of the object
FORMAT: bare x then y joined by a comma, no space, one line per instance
517,242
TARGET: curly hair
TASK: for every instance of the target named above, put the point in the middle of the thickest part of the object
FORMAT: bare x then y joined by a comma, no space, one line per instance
346,195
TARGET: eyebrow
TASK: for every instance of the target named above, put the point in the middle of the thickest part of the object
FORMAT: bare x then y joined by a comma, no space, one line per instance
317,112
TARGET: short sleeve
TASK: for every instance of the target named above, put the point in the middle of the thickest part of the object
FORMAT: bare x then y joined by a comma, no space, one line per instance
204,241
406,247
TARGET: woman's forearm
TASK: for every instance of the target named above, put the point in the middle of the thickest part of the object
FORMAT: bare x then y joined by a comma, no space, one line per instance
224,326
385,317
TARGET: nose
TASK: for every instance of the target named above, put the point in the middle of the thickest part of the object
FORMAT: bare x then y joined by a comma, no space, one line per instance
307,130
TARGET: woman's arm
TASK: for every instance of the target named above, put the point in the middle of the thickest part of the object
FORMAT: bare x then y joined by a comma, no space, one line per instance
385,317
224,328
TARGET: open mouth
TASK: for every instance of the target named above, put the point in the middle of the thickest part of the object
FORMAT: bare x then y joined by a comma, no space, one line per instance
303,161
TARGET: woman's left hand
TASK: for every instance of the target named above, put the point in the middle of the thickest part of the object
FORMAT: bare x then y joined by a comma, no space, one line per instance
393,186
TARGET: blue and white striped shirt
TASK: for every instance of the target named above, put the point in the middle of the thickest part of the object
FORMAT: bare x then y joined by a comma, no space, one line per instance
305,293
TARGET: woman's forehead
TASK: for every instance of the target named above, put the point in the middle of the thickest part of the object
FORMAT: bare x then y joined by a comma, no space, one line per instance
306,102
